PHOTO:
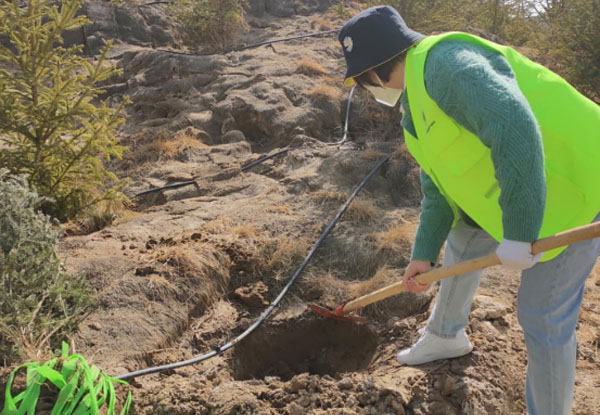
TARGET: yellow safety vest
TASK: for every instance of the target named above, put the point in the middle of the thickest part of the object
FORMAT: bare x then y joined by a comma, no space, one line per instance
461,166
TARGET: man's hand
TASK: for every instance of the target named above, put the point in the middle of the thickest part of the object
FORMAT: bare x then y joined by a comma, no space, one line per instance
414,268
516,255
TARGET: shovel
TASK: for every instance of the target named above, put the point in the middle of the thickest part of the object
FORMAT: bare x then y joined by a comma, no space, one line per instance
569,237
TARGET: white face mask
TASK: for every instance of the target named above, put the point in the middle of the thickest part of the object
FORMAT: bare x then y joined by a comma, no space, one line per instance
383,94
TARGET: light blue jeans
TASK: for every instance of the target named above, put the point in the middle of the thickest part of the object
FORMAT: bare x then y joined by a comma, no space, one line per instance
548,304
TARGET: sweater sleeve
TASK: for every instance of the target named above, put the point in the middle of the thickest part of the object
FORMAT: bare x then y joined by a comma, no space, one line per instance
436,217
435,222
478,89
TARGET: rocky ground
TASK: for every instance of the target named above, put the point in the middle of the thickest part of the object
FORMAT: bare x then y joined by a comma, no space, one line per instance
188,269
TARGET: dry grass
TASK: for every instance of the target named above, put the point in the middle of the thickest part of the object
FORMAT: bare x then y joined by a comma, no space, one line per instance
376,122
31,348
103,214
323,196
330,80
158,149
161,149
324,93
372,155
286,253
359,210
158,281
245,231
190,264
248,248
126,215
319,23
148,146
402,152
333,291
383,277
310,67
159,287
395,239
330,290
218,225
253,253
587,334
280,208
193,260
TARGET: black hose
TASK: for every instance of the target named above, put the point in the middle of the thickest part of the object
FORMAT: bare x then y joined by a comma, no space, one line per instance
253,45
220,349
265,158
283,39
190,182
152,3
158,189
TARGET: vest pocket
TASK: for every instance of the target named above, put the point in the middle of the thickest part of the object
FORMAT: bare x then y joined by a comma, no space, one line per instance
564,202
457,152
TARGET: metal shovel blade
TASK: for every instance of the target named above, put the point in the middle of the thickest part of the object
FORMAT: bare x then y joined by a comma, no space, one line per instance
337,314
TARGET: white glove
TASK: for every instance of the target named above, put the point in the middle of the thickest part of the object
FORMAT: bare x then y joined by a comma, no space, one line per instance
516,255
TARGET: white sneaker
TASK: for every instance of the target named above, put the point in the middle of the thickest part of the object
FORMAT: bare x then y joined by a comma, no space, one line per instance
431,347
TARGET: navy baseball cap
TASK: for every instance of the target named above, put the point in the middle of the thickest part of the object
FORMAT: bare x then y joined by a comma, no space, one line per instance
372,37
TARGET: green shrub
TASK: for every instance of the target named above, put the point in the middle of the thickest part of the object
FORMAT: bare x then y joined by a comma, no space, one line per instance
570,44
50,130
212,24
39,302
341,11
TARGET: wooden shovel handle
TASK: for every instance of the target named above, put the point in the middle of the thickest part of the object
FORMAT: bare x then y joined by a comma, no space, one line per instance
541,245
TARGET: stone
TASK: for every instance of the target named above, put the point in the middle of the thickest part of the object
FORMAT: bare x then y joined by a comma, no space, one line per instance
298,382
488,308
295,409
132,26
199,120
257,8
272,379
102,16
304,401
345,383
103,26
280,8
307,7
179,177
125,22
154,16
441,407
95,326
253,295
448,385
160,36
233,136
478,314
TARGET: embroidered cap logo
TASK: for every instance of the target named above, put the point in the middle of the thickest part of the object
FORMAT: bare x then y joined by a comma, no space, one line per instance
348,44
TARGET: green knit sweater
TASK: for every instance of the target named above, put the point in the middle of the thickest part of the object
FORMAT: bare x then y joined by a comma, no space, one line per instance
478,89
